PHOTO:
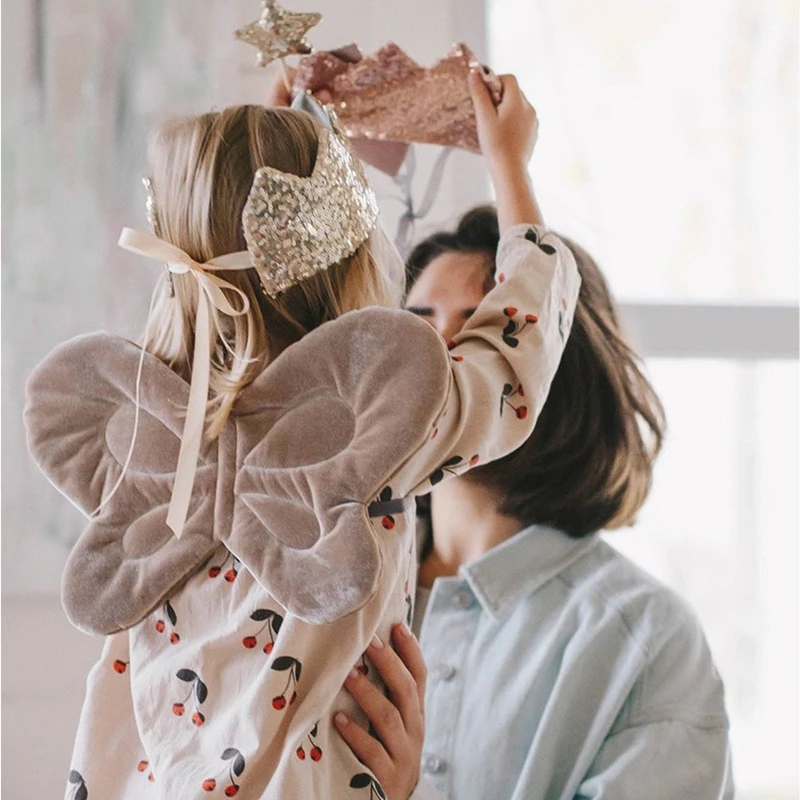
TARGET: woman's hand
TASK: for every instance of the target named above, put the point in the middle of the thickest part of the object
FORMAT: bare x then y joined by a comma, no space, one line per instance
394,756
507,134
279,88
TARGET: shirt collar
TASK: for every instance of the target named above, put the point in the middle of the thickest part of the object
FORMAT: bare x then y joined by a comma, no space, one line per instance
522,564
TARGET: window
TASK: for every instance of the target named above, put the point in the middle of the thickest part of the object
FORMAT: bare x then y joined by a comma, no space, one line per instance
668,147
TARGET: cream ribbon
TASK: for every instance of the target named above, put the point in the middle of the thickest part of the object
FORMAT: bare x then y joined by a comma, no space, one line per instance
210,295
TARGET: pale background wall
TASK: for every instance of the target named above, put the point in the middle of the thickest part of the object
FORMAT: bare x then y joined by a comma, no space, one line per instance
632,135
83,82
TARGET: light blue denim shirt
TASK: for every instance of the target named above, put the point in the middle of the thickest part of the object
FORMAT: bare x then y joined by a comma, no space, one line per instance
558,669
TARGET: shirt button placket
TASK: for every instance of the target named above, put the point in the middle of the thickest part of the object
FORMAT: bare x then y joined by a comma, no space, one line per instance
453,614
433,765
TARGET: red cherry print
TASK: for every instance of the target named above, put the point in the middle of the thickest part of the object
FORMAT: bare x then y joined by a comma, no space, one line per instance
249,642
522,412
520,392
230,576
178,709
198,718
151,777
209,785
268,648
279,702
457,358
120,666
387,523
474,460
160,626
293,698
301,754
212,573
531,318
316,753
509,311
501,278
450,345
174,638
142,766
231,791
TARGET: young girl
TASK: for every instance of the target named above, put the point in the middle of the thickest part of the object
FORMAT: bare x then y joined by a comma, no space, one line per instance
580,674
250,473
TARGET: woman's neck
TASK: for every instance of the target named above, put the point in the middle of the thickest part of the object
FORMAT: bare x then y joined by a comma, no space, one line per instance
465,524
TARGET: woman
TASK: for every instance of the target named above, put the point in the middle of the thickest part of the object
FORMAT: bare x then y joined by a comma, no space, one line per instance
557,668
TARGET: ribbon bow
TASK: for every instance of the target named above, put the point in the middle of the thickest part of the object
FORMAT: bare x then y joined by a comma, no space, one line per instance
211,295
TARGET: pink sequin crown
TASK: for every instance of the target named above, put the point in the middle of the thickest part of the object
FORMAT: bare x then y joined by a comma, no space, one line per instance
388,96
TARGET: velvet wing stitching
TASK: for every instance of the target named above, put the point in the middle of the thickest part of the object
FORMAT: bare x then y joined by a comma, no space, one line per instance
79,416
347,405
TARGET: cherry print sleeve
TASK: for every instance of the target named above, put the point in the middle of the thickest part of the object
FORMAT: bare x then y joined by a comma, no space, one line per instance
503,360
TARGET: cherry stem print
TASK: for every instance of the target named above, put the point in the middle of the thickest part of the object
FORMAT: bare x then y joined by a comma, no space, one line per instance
80,792
509,392
200,692
272,621
450,466
235,769
315,752
513,329
532,236
169,613
230,574
364,779
294,667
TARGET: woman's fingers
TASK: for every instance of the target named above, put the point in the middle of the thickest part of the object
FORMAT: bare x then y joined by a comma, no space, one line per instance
393,753
367,748
407,648
389,716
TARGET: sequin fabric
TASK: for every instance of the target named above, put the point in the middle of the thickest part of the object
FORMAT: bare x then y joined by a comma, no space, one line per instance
296,227
387,95
278,33
150,207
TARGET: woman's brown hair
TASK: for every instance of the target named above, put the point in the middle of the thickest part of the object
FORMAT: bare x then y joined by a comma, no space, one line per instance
588,463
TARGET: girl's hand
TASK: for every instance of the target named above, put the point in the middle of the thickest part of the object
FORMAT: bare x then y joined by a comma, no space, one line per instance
394,756
507,132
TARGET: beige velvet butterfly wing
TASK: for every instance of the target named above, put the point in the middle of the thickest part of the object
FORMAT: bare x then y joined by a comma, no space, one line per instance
287,485
346,406
79,416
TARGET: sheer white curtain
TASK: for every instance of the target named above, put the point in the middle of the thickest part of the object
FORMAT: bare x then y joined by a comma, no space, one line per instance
668,147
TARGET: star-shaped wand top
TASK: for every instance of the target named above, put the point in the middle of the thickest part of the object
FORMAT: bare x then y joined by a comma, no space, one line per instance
278,33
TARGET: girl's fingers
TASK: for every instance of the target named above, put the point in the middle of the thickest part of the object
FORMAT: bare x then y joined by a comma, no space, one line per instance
367,748
481,97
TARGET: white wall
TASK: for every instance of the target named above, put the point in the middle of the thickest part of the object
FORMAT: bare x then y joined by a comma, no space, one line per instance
64,160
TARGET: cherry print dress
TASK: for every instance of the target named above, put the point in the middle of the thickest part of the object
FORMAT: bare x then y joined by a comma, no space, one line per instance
220,684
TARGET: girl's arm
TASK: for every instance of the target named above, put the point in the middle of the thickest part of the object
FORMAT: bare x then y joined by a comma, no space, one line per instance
507,135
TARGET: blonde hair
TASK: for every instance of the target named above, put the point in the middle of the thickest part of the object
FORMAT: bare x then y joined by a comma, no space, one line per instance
201,169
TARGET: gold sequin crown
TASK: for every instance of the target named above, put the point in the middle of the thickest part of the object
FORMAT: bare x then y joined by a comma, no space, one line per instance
296,227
